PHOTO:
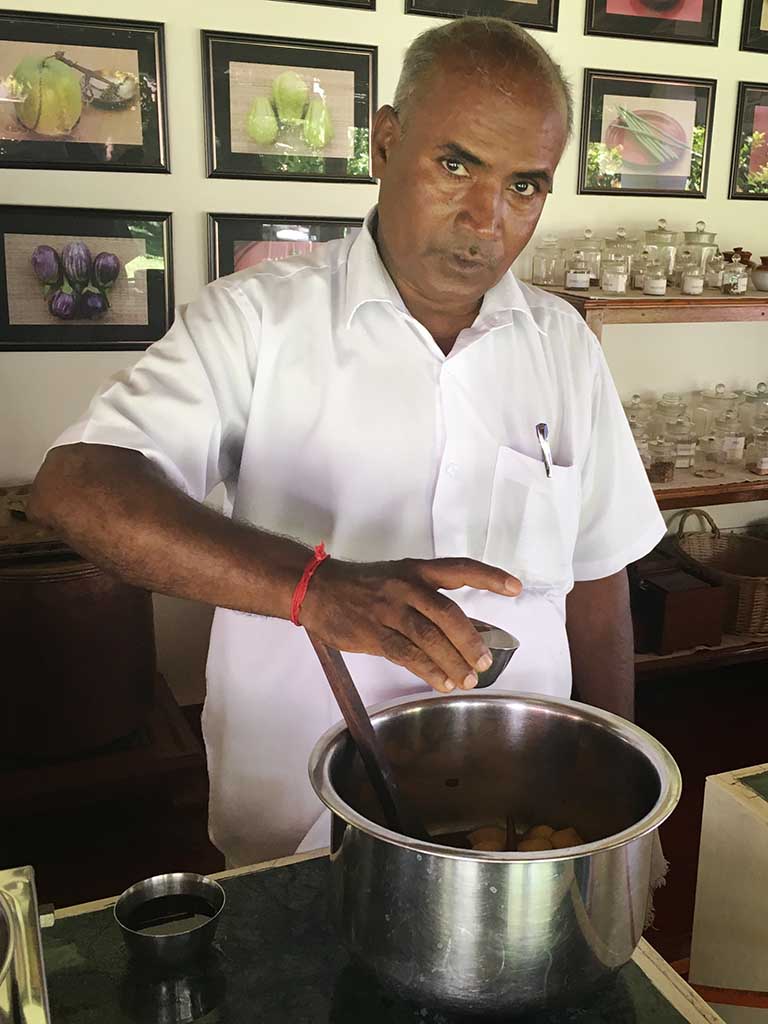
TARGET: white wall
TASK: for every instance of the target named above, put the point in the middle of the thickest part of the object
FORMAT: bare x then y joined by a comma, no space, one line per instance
41,392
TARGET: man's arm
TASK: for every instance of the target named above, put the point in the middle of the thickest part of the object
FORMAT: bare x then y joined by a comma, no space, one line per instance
599,628
118,509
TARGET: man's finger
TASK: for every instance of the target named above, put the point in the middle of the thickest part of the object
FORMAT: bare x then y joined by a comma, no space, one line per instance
453,573
399,649
454,623
430,639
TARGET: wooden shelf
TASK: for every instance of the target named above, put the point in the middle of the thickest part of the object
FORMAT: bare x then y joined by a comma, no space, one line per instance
687,490
599,309
734,650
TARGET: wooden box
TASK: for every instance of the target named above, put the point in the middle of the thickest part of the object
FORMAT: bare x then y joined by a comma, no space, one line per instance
673,610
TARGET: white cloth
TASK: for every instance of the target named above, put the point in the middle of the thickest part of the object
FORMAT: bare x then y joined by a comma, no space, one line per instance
331,414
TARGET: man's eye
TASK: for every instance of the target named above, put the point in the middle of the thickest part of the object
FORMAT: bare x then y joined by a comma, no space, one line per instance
455,167
525,188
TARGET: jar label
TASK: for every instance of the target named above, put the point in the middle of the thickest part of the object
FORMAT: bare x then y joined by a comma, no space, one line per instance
638,277
715,280
614,281
693,284
577,279
655,286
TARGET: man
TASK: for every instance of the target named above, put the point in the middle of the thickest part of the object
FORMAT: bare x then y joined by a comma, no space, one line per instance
380,396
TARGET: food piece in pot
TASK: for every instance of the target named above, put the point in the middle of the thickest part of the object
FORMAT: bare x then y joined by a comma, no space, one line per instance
529,845
565,837
495,845
488,834
539,832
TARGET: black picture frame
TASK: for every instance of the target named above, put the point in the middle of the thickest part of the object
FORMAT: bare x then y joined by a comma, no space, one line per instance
137,137
142,293
754,26
655,143
361,5
749,159
660,25
227,230
230,59
543,16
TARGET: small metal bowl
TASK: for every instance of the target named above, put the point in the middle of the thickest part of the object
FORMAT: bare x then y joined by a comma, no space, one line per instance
502,646
170,920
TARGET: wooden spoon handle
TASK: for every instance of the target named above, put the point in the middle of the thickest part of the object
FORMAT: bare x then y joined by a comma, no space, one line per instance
397,814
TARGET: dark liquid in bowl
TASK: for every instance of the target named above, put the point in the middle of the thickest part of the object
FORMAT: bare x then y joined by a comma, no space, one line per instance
170,915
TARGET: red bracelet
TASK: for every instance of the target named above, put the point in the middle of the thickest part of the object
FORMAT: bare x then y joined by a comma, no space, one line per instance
300,592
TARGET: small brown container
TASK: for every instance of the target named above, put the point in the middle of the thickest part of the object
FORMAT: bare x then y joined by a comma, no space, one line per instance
673,610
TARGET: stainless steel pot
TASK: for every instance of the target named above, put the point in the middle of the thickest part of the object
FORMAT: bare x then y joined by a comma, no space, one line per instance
23,991
479,932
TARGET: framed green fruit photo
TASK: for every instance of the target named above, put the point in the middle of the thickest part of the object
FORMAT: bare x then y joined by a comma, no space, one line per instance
288,108
82,93
82,280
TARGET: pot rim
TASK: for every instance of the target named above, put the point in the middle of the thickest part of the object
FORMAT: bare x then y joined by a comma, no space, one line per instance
659,757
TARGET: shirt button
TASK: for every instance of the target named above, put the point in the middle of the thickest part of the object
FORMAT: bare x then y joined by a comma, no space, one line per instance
452,469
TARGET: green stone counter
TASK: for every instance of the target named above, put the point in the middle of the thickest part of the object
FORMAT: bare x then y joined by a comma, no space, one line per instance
277,960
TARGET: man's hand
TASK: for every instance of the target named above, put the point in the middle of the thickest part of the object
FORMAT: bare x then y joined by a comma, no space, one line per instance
394,609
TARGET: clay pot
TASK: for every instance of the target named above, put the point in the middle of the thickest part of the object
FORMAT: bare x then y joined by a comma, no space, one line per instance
760,275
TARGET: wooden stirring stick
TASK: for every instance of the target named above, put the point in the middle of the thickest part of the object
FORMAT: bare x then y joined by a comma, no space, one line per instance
397,813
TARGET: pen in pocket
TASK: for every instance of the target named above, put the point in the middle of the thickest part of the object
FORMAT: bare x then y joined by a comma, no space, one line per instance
542,436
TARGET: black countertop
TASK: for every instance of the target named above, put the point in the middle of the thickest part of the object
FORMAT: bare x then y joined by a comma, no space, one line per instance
276,960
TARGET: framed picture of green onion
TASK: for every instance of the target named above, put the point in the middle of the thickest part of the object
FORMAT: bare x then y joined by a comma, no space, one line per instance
288,109
82,94
645,135
83,280
749,164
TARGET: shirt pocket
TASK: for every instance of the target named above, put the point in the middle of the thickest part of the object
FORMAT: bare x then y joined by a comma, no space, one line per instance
533,521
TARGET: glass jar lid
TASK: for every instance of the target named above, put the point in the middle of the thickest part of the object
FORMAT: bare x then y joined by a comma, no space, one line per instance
700,236
588,242
760,393
670,400
679,428
660,235
729,422
661,448
719,393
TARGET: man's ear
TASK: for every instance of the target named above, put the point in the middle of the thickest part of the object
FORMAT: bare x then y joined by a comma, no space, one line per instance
386,134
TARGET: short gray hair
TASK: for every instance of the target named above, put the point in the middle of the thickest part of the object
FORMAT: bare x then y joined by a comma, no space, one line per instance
485,39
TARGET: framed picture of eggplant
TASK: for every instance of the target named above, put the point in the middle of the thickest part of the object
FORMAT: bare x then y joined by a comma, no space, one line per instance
676,21
540,14
754,26
78,280
645,135
237,241
288,108
82,94
749,163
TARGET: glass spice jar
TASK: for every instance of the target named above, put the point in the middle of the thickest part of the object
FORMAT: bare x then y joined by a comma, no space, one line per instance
730,438
592,252
637,408
641,440
685,262
753,403
670,407
577,273
662,241
548,263
637,273
692,280
756,458
713,275
662,461
614,274
706,463
735,277
654,278
714,402
682,435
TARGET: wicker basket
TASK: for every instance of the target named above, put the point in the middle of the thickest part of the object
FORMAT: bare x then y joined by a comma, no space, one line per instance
737,561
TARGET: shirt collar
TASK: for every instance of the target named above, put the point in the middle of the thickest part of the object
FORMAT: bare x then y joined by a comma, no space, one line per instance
369,281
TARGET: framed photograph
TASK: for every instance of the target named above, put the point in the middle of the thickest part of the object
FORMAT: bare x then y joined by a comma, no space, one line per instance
237,241
645,135
288,108
749,162
676,21
528,13
80,280
82,94
754,26
364,5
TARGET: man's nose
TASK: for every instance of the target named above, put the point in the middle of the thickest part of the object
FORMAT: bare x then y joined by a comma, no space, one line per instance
484,210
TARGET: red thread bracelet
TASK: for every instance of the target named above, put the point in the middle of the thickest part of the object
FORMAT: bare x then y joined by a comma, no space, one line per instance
300,592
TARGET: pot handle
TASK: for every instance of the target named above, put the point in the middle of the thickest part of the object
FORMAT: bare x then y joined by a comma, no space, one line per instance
18,903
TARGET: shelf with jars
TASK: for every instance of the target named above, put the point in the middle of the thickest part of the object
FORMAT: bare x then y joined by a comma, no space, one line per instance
663,278
711,448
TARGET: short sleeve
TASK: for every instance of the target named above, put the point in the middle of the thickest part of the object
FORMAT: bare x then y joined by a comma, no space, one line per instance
620,519
185,403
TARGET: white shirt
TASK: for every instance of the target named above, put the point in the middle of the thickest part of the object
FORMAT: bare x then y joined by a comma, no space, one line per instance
331,414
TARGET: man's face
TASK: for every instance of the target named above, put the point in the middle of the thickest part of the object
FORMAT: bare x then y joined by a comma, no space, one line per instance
463,186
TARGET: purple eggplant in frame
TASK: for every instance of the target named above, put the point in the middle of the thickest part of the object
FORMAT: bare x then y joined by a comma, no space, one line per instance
106,268
76,260
46,265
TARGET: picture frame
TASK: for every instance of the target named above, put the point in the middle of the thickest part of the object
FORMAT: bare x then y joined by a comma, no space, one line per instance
749,160
237,241
288,109
362,5
754,26
645,135
540,14
58,295
82,94
673,21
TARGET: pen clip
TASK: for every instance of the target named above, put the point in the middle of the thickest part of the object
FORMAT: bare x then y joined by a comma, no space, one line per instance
542,436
